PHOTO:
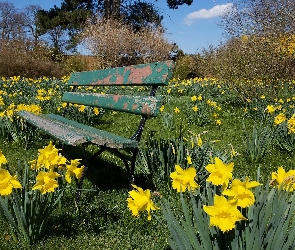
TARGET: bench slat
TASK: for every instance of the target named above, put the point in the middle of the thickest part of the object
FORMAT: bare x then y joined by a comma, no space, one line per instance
73,133
140,105
97,136
65,134
142,75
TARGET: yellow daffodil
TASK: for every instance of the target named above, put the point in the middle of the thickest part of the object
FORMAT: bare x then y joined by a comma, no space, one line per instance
184,179
280,118
1,101
176,110
193,98
46,181
223,214
73,170
48,157
195,108
270,109
81,108
64,104
240,193
96,111
283,179
2,159
291,125
220,173
140,200
7,182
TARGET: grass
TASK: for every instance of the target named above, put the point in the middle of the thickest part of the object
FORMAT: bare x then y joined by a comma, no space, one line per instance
102,220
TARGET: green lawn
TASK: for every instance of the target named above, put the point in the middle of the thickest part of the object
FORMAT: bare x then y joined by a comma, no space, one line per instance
102,220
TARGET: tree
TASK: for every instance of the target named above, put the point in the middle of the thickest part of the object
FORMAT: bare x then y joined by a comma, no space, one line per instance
173,4
30,22
63,23
259,17
12,22
53,23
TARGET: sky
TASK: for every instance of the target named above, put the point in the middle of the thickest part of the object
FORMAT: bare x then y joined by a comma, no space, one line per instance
192,27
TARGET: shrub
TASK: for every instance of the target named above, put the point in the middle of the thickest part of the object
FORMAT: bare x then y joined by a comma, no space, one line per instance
117,44
24,58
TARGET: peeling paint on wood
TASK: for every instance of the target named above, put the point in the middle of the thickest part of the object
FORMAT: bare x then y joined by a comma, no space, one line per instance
143,74
141,105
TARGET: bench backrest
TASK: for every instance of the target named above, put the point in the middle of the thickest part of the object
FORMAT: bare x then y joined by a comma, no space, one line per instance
152,74
149,74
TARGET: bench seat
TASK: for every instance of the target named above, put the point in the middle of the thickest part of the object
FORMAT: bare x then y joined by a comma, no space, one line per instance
73,133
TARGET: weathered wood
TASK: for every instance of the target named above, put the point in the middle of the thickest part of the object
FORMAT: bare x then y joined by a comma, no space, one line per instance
96,136
73,133
141,105
143,74
59,131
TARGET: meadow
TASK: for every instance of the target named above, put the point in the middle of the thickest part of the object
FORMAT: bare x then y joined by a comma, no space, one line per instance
249,126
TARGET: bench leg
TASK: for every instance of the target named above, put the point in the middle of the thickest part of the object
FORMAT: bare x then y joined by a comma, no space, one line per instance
131,173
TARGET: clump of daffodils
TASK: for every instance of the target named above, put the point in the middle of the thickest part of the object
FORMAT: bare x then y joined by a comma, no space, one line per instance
48,163
235,195
49,166
225,212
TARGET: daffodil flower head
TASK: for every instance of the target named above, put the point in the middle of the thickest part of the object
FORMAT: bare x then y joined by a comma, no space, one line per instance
176,110
140,200
284,179
220,173
7,182
73,170
270,109
195,108
184,179
2,159
240,195
223,214
194,98
280,118
46,181
48,156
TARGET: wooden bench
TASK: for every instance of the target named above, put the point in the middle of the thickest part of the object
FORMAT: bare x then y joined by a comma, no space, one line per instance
70,132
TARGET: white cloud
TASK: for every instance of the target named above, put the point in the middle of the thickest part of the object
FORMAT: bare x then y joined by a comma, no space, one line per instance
216,11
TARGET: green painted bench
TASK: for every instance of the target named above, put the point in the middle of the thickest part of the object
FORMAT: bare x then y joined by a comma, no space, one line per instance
70,132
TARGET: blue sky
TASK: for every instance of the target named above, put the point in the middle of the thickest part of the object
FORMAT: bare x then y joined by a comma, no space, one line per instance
192,27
